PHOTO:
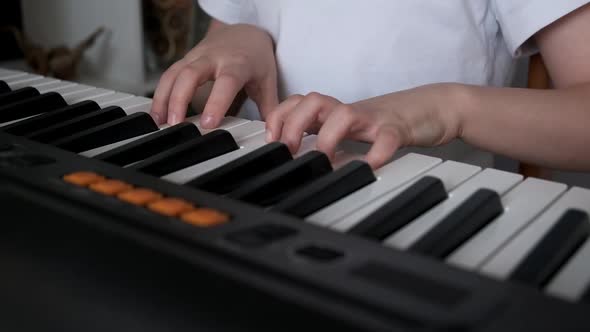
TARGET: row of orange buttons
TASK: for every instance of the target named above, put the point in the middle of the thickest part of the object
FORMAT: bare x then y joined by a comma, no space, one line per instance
154,201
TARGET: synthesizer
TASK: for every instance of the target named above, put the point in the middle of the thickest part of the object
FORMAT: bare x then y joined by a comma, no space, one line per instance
112,222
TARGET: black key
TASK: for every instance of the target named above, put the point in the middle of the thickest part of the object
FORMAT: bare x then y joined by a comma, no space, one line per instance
46,102
27,126
77,124
403,208
18,95
232,175
150,145
554,249
111,132
4,88
586,295
463,222
189,153
327,189
269,188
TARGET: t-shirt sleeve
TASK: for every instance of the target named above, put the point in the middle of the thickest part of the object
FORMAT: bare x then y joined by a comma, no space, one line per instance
520,19
230,11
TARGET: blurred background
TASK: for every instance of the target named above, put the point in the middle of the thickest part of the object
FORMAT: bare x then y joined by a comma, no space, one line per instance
134,41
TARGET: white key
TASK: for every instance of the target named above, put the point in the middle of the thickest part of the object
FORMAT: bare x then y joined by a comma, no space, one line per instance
9,73
389,177
227,123
56,86
503,263
21,79
574,277
86,95
132,105
74,89
493,179
451,174
247,130
521,205
39,82
112,99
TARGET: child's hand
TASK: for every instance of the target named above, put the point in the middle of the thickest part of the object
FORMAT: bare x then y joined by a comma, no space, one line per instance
412,117
235,57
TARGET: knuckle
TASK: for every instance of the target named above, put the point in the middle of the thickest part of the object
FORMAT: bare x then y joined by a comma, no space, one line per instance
315,97
345,112
189,72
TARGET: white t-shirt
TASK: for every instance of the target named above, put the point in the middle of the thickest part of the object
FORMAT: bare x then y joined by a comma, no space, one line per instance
353,50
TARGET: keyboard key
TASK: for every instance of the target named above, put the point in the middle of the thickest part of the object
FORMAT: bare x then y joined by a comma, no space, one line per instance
326,189
83,178
150,145
505,260
4,87
37,83
269,188
467,219
572,282
405,207
556,246
188,153
76,124
139,196
18,95
110,187
170,207
492,179
389,177
450,173
232,175
522,204
27,126
91,94
46,102
203,217
107,133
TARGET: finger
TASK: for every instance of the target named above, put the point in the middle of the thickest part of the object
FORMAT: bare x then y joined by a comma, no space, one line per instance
224,91
274,119
159,111
339,125
302,117
266,98
190,78
387,141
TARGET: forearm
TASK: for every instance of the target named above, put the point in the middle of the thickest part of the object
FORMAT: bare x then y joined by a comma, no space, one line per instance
543,127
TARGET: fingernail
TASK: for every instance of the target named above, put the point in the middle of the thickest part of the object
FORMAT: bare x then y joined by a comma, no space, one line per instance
268,136
156,118
207,121
173,119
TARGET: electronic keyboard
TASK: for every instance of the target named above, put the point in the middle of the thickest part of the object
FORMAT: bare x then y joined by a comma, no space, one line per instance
111,222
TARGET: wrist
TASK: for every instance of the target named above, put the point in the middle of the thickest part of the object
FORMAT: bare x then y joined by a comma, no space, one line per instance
458,102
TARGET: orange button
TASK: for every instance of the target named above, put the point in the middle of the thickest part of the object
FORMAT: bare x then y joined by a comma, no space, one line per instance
83,178
110,187
170,207
205,217
139,196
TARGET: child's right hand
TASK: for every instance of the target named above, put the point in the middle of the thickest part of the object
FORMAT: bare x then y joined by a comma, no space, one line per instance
235,57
